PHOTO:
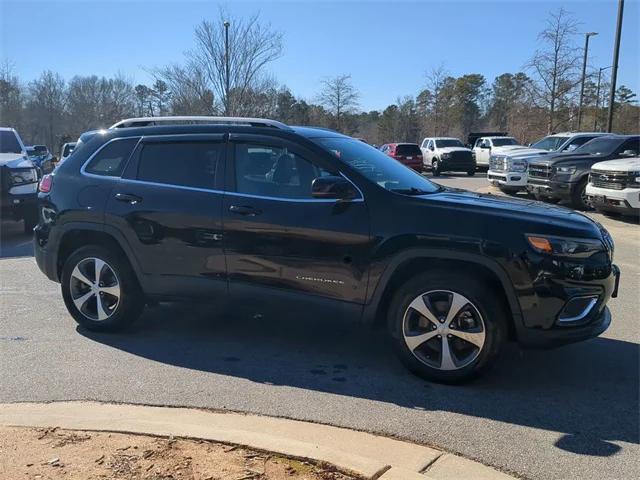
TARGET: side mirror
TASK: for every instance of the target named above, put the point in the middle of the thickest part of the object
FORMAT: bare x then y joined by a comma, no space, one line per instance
333,187
432,148
529,144
629,153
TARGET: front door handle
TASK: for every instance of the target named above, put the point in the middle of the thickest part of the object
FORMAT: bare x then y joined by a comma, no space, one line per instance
128,198
244,210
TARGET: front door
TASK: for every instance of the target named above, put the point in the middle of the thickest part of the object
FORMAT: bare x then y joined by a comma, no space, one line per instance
169,207
280,239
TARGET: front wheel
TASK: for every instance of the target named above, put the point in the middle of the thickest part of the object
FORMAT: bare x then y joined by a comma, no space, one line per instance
100,289
579,198
446,327
435,168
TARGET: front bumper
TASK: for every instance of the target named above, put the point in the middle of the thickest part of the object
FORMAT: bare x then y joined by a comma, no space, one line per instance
508,179
625,201
550,188
457,164
589,322
19,202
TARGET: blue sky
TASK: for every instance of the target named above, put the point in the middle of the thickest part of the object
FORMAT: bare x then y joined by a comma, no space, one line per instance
387,46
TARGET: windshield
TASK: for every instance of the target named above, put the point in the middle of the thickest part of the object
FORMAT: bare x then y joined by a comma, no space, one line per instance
9,142
550,143
600,146
377,167
449,142
501,142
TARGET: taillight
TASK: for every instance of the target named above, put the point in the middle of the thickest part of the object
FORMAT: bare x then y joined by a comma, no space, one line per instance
46,183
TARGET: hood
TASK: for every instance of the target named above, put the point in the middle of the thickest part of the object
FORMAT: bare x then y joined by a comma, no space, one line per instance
621,165
507,148
14,160
525,152
454,149
530,211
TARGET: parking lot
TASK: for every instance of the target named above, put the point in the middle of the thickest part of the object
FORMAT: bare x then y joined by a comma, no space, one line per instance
565,413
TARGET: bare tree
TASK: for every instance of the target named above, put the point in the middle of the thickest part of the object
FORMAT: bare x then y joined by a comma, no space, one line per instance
11,96
252,46
339,97
190,90
46,108
555,66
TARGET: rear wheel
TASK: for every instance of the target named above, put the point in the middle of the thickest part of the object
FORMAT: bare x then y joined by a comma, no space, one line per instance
100,289
471,173
435,168
446,327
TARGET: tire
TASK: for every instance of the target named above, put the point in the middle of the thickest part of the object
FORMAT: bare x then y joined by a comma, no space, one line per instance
118,311
484,312
508,191
579,196
435,168
471,173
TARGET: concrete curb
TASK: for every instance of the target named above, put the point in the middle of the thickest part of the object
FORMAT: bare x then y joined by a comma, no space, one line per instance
370,456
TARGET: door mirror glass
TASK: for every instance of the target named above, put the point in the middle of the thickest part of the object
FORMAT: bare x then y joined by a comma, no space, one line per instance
333,187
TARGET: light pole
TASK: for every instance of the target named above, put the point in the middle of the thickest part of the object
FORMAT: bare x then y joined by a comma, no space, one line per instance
614,72
584,72
597,113
226,68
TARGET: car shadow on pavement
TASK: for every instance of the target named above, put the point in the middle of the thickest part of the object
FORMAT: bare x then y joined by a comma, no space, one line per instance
587,391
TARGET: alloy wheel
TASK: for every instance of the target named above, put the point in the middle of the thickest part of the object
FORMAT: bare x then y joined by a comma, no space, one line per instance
444,330
95,289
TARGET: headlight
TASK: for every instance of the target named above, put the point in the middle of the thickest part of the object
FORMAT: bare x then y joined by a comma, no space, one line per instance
565,246
446,155
20,176
635,177
518,166
565,170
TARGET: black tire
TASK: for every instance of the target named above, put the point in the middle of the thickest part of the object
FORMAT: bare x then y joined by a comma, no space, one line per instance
578,196
479,295
435,168
508,191
471,173
131,300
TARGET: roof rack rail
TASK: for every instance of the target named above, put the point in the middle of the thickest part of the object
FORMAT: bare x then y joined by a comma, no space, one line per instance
153,121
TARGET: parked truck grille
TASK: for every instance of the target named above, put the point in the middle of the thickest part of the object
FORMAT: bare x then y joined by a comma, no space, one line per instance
610,180
539,171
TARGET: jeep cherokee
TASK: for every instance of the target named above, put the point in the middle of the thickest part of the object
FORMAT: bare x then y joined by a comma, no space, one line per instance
261,213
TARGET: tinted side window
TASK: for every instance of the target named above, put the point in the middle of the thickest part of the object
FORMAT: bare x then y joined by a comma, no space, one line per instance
273,172
111,160
632,144
577,143
188,164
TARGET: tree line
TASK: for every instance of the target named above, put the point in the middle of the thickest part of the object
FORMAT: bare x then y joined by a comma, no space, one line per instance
540,99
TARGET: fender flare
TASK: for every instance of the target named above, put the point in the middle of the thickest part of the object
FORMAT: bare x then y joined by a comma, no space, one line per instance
374,299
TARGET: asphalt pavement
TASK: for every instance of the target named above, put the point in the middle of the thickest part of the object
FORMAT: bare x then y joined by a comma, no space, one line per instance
572,412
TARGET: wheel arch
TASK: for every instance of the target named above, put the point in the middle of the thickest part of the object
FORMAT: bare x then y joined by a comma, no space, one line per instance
407,265
76,235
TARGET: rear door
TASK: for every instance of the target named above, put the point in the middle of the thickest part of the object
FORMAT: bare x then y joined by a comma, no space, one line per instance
168,205
280,239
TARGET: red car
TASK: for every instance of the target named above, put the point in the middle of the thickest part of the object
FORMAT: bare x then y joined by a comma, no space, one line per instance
407,153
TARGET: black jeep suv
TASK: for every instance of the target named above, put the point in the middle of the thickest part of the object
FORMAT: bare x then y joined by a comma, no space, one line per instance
564,176
307,220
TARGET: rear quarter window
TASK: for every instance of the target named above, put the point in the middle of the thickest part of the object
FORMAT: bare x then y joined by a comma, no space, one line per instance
408,150
112,158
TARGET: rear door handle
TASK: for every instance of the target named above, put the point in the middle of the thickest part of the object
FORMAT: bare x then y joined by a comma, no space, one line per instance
244,210
128,198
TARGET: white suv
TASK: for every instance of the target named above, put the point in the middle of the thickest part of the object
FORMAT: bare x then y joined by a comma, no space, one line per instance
614,186
446,154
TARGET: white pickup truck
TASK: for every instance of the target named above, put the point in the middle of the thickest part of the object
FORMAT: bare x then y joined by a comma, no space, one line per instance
446,154
508,170
614,186
486,146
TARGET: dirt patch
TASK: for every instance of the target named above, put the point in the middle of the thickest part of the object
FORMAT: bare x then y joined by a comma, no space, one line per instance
52,454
